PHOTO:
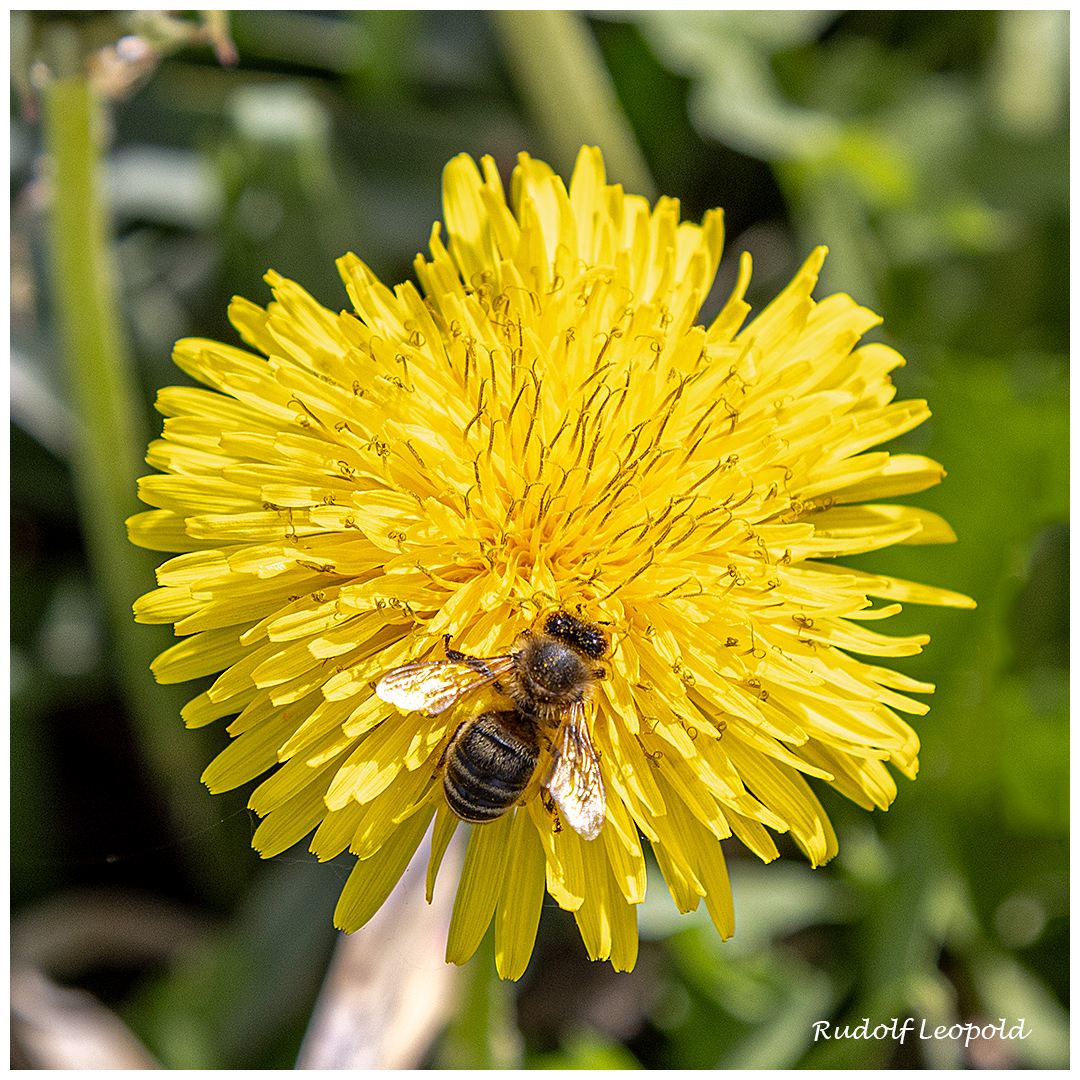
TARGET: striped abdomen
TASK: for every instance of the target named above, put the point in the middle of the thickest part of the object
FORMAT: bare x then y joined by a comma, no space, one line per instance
489,763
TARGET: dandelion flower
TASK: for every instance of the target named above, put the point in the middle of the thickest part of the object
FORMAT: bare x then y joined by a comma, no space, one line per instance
544,429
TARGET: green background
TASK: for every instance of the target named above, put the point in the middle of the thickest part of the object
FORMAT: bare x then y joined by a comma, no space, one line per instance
929,151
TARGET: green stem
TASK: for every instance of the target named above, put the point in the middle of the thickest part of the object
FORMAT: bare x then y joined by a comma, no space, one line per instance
107,448
483,1033
560,72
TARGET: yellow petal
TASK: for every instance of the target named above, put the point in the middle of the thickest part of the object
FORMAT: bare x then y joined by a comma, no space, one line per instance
518,913
372,880
479,888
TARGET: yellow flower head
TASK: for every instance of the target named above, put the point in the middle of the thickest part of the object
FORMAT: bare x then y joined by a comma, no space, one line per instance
542,450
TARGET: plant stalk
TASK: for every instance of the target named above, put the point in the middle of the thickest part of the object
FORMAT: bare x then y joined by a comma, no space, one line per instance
106,458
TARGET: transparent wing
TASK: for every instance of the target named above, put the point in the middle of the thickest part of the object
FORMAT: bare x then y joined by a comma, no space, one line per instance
434,686
574,781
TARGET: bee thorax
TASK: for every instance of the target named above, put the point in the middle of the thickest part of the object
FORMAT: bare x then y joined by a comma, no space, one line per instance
549,673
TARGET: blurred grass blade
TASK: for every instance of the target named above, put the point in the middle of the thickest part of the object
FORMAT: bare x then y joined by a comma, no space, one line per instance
561,74
55,1027
389,991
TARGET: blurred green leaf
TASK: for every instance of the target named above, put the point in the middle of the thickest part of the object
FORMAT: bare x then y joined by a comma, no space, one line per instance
1000,431
482,1034
587,1050
284,208
736,97
1007,990
1033,714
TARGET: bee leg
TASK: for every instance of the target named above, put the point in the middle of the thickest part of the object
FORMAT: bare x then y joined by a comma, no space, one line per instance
459,657
477,663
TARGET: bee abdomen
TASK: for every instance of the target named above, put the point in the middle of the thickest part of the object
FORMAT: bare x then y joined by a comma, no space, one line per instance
488,768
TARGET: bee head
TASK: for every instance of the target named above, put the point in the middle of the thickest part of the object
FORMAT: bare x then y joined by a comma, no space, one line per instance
586,638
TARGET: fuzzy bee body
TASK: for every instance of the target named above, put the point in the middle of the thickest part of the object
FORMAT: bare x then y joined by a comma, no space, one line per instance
491,758
488,766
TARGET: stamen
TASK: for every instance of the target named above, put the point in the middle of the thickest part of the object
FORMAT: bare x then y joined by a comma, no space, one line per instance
532,422
494,382
704,416
562,428
412,450
476,473
637,573
614,505
596,443
479,412
510,414
470,355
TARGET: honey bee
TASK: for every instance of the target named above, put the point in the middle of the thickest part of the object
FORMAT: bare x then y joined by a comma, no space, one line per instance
491,758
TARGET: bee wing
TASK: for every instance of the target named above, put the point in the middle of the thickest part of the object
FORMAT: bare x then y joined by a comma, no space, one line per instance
434,686
574,781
